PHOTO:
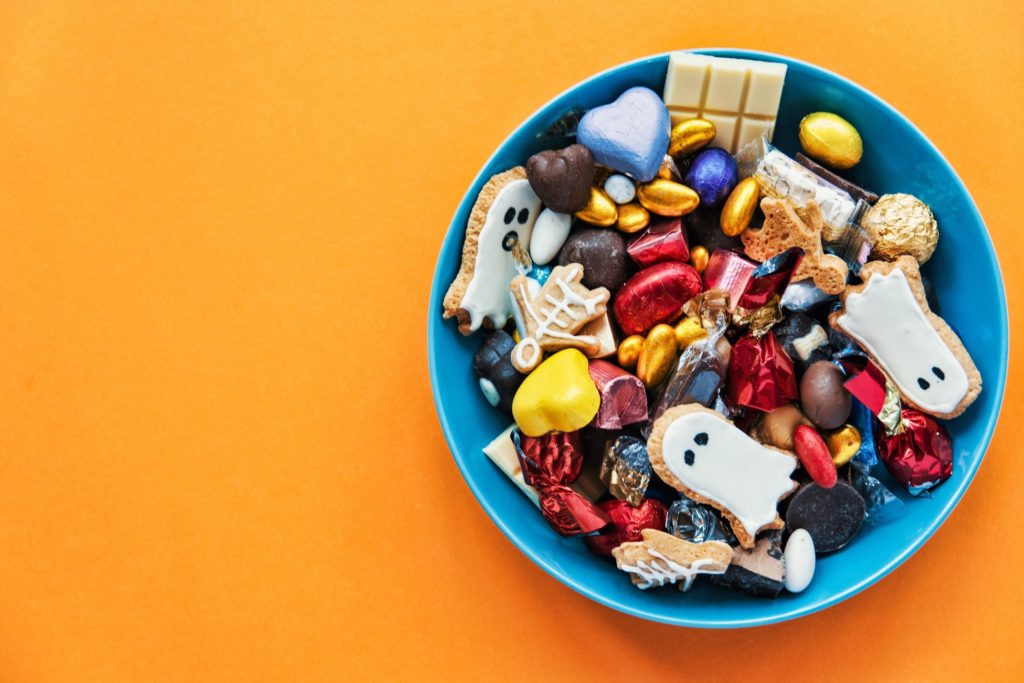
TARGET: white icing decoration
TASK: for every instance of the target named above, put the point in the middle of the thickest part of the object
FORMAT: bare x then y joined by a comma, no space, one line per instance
805,345
487,293
655,574
490,391
799,561
549,234
532,287
731,469
619,188
547,320
887,321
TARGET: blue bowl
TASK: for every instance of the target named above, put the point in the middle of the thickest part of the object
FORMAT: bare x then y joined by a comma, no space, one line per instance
897,158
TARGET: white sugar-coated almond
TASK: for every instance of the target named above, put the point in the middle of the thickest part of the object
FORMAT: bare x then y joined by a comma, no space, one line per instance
620,188
549,233
800,561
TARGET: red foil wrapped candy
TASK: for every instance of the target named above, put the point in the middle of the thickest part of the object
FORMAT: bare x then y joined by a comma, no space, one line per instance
920,456
550,463
655,295
623,399
729,271
663,241
760,374
627,523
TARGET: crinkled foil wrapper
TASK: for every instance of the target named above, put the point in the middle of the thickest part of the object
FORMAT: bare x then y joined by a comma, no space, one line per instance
921,456
696,523
729,272
626,468
876,391
627,521
761,374
623,398
664,240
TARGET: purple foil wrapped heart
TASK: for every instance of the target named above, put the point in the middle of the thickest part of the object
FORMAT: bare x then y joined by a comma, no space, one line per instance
630,135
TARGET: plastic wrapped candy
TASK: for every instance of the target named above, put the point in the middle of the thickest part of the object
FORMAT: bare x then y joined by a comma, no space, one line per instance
626,469
696,523
881,504
664,240
550,463
864,420
805,297
920,456
627,521
623,399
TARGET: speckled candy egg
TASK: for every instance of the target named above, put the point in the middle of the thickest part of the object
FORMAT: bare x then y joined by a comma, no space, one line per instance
712,175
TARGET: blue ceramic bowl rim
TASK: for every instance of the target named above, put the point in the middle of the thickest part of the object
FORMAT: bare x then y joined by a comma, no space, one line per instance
455,232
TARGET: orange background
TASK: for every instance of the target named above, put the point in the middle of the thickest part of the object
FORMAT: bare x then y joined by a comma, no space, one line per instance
219,458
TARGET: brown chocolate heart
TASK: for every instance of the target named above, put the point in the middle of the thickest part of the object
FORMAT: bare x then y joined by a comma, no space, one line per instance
562,178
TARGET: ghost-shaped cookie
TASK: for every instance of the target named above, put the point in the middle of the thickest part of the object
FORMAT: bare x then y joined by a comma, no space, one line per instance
704,456
495,251
890,318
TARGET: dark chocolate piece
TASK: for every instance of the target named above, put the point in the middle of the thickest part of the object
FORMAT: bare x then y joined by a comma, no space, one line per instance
492,365
562,178
824,399
759,571
855,191
602,253
831,516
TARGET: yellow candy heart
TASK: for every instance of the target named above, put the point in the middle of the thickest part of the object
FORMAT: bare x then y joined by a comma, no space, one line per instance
558,396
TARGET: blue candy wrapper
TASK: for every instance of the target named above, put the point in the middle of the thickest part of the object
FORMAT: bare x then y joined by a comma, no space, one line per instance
864,421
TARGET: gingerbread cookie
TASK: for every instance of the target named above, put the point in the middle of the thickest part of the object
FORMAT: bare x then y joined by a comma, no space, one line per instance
495,250
890,318
705,457
554,314
783,229
661,559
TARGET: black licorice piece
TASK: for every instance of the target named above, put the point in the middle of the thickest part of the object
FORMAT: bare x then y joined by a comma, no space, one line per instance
492,365
759,571
831,516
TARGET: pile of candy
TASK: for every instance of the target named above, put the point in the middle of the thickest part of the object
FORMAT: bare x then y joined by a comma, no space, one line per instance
705,344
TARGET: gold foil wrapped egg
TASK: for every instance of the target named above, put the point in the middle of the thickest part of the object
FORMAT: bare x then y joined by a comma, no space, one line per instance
689,330
669,170
657,356
699,258
667,197
831,139
632,218
843,444
739,207
901,224
690,135
600,210
628,353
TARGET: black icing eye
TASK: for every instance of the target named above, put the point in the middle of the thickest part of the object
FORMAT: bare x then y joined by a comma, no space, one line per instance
923,383
510,215
524,214
701,439
688,457
939,373
509,240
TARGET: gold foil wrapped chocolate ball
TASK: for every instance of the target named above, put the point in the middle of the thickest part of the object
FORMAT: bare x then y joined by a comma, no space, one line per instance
689,136
739,207
699,257
901,224
667,198
843,444
831,140
628,353
600,210
632,218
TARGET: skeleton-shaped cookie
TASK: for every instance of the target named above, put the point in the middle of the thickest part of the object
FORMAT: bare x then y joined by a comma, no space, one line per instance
661,559
553,315
703,455
783,229
889,316
497,238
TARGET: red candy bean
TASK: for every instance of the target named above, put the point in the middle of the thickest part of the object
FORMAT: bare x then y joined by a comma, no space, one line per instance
814,456
655,295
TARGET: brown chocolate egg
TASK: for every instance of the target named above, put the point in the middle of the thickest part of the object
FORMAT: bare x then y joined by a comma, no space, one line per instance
824,399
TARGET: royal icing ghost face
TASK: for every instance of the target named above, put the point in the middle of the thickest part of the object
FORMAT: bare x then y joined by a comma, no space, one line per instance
509,223
887,321
718,461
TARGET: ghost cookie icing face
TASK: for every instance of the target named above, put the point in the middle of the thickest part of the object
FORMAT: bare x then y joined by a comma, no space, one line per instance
913,346
495,251
700,453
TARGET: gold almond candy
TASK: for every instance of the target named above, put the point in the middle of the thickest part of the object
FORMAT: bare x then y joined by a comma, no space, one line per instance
831,139
657,356
699,258
667,198
690,135
632,218
739,207
600,210
629,351
843,444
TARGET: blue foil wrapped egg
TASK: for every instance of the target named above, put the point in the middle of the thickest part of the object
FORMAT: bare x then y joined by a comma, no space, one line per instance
712,175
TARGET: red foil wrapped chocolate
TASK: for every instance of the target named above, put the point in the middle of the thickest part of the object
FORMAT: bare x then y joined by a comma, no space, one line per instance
627,523
655,295
729,271
920,456
623,399
663,241
550,463
760,374
770,279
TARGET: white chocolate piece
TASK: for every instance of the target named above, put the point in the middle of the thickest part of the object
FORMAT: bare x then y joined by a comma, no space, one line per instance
800,561
887,321
549,234
502,452
716,460
602,329
740,96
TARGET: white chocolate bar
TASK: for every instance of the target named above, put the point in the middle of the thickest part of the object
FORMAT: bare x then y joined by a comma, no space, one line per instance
740,96
502,452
